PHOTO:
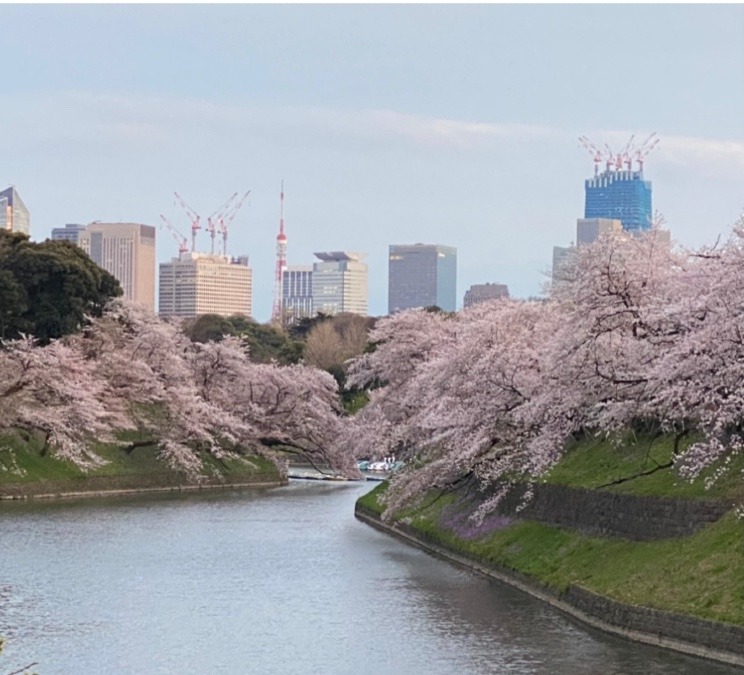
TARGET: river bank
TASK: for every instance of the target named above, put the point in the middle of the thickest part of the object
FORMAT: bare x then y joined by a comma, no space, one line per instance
712,640
653,559
26,472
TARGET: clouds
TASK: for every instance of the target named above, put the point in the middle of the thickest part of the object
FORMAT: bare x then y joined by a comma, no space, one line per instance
135,119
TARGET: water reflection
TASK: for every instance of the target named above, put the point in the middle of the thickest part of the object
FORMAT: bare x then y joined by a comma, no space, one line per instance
277,581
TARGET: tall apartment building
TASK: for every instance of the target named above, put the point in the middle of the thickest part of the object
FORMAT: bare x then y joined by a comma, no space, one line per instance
588,230
339,283
619,195
297,292
127,251
482,292
422,275
14,216
203,283
70,232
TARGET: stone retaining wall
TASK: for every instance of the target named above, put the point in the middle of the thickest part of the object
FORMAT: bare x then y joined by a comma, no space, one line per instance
689,635
612,514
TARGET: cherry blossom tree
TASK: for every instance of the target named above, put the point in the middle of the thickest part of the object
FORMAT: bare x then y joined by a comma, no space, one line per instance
51,390
636,334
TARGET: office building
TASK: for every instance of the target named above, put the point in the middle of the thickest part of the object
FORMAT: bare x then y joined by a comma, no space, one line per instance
588,230
620,195
14,215
70,232
482,292
127,251
297,292
203,283
422,275
562,258
339,283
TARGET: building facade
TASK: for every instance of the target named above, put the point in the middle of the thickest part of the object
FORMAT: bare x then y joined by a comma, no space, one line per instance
127,251
339,283
297,292
482,292
70,232
588,230
203,283
562,258
422,275
14,216
620,195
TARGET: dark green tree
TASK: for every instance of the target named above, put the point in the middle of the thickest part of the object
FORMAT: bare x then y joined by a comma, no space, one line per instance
208,328
50,287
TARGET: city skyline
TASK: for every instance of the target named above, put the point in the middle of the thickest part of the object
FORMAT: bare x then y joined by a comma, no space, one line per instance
440,123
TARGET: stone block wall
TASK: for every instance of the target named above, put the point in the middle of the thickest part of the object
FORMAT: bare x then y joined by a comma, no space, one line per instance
612,514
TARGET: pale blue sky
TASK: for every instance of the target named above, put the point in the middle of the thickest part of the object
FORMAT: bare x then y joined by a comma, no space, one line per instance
389,124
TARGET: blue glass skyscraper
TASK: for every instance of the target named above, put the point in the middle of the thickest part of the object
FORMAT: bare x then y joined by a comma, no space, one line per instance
620,195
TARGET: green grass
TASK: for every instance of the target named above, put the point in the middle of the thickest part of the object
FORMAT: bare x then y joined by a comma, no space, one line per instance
591,463
21,462
701,575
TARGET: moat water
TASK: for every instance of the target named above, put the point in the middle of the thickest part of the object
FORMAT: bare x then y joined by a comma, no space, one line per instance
270,581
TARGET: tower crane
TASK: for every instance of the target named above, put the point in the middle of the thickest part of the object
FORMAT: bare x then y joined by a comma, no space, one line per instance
228,218
193,216
595,154
625,153
217,217
645,149
182,242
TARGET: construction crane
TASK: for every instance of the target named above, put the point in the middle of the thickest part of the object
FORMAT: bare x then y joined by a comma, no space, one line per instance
645,149
626,152
193,217
594,153
281,263
182,242
217,217
228,218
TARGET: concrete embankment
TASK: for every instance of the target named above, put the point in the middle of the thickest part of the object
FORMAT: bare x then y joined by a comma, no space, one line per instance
712,640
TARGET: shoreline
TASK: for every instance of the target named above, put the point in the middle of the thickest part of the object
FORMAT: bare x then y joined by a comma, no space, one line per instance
569,602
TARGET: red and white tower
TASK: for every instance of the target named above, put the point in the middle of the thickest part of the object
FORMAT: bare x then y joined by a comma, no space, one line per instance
281,263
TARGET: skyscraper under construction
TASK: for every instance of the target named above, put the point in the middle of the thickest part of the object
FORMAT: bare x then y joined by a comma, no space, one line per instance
619,192
620,195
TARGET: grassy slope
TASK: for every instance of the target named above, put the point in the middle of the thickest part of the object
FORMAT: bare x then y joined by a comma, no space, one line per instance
21,462
595,462
701,575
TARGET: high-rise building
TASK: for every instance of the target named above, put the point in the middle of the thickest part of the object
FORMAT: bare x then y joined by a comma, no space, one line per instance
202,283
422,275
297,292
127,251
562,257
619,195
14,215
482,292
70,232
340,283
588,230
